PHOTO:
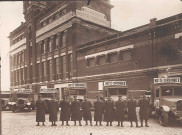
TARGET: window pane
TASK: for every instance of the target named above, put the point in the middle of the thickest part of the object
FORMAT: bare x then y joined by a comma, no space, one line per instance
178,91
113,58
126,56
101,60
167,92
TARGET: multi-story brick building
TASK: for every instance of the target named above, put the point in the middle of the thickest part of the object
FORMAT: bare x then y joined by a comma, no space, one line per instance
64,42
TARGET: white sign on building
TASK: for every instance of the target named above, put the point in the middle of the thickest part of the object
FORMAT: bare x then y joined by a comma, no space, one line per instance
167,80
112,83
80,85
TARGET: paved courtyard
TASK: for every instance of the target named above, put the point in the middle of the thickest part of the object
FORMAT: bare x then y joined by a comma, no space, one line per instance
23,123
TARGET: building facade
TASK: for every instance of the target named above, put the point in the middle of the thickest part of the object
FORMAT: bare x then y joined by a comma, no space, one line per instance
72,42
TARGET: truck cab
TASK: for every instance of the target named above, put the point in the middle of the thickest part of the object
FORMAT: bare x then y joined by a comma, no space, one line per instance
46,94
166,100
115,89
5,99
78,89
22,99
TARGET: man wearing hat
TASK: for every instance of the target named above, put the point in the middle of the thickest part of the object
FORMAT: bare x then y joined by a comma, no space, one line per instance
76,114
40,112
99,109
144,110
120,105
53,108
131,105
65,110
86,107
109,111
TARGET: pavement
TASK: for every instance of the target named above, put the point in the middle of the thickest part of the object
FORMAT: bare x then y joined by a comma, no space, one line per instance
23,123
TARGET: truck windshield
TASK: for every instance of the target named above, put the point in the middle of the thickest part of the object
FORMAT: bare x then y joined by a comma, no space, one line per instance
5,95
117,91
78,92
46,95
23,95
178,91
167,91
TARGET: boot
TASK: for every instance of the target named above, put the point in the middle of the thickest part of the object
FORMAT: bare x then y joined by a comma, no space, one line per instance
80,123
122,124
96,123
67,123
101,123
131,124
137,124
118,123
107,124
86,123
90,123
141,123
43,124
62,123
37,124
146,123
75,123
110,123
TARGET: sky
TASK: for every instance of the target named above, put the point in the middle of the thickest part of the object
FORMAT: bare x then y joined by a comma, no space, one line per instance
125,15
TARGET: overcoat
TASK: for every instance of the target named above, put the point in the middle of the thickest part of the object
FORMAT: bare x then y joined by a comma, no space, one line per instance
53,108
65,111
99,110
40,112
132,110
109,111
76,113
144,109
86,108
120,107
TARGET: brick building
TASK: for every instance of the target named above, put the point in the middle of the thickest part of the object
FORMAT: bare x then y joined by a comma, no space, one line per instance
72,42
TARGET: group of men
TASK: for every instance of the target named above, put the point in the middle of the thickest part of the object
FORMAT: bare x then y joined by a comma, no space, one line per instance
76,110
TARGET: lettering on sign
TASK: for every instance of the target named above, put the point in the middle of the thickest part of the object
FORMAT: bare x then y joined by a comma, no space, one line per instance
80,85
167,80
111,83
47,90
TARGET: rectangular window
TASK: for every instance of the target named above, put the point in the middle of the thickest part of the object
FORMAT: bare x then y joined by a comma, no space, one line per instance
90,62
112,58
30,52
50,69
64,66
57,65
37,70
49,48
70,64
63,40
126,55
56,42
101,60
22,56
44,68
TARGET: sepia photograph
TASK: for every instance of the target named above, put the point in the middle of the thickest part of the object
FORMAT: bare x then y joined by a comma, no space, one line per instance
91,67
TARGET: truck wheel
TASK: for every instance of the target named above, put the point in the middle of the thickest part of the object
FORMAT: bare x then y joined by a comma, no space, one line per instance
164,118
29,109
13,108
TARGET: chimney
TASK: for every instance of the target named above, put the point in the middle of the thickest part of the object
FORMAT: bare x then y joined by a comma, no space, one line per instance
152,22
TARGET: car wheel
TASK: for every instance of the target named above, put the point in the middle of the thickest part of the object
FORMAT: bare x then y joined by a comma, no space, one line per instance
164,118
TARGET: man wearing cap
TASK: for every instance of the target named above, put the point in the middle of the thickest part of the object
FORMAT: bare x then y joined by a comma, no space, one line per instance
144,110
131,105
76,114
86,107
53,108
109,111
40,112
99,109
65,111
120,105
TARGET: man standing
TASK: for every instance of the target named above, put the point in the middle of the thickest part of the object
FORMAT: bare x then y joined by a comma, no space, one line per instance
40,112
132,110
99,109
53,108
76,114
65,111
86,107
109,111
144,110
120,105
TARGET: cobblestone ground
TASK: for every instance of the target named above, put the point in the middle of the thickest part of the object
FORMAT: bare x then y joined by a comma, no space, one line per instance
23,123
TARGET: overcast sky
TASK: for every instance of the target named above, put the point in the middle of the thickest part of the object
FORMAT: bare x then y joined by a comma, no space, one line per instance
125,15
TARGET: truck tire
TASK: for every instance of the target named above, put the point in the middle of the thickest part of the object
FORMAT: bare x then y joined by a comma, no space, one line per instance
13,108
164,118
29,108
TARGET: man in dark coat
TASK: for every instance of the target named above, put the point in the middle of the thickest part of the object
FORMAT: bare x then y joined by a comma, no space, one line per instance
65,111
40,112
132,110
109,111
144,110
120,106
99,109
76,114
53,108
86,108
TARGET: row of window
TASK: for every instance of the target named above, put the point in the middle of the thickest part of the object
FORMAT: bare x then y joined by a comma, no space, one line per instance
109,58
46,69
19,38
17,58
53,17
